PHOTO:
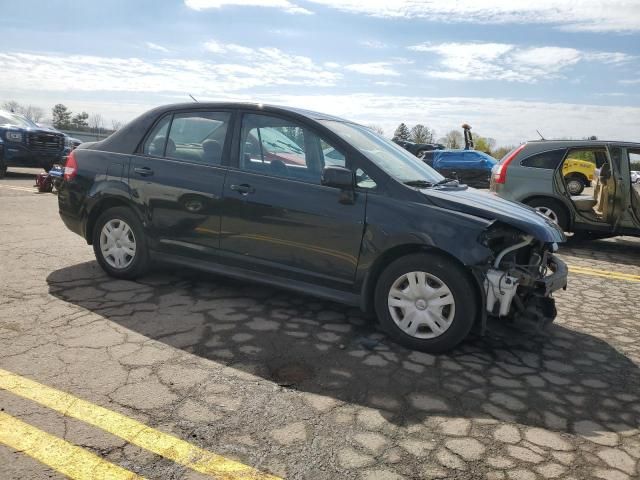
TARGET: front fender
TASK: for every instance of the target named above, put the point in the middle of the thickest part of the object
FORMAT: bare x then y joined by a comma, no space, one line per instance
397,227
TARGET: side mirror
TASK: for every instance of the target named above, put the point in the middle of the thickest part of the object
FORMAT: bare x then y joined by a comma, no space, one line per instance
337,177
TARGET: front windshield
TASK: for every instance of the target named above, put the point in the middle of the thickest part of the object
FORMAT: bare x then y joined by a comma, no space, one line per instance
391,158
17,120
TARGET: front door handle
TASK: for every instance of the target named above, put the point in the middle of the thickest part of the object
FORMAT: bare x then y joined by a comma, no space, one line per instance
243,189
143,171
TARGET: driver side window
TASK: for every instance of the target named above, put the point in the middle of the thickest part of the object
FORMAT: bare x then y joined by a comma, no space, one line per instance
277,147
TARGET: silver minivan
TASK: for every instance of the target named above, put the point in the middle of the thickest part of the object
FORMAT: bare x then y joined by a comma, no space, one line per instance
539,174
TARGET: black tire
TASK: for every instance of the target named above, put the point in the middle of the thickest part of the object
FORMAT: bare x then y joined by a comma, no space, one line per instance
140,263
450,274
575,184
558,209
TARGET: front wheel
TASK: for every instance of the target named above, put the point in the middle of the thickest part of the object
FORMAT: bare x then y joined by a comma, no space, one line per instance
119,243
426,302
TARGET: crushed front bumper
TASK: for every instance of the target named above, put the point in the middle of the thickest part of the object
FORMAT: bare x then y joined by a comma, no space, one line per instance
515,294
556,280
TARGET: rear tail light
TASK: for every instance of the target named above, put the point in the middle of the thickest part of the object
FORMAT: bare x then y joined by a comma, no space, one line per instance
500,173
71,167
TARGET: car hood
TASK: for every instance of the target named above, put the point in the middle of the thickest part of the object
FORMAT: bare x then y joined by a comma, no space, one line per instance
489,206
9,126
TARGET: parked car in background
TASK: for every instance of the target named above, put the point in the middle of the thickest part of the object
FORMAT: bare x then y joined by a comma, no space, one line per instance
468,166
635,176
25,144
368,226
418,149
534,173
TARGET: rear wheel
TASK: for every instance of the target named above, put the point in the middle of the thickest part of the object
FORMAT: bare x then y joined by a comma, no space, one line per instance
423,302
3,169
552,209
119,243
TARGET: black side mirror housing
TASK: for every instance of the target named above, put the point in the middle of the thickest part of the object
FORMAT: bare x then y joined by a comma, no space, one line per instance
337,177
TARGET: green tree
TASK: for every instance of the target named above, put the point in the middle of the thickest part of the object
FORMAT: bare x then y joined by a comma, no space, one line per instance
402,132
61,116
80,121
421,134
484,144
500,152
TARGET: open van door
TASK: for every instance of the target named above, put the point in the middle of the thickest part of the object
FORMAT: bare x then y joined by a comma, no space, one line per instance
598,204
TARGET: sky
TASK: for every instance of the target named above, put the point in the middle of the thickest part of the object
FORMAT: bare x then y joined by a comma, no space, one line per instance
568,68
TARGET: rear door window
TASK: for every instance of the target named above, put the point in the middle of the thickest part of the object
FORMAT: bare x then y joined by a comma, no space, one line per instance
157,138
549,160
198,137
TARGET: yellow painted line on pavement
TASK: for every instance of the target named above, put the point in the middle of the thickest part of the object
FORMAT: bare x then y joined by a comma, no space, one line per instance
68,459
605,274
134,432
18,188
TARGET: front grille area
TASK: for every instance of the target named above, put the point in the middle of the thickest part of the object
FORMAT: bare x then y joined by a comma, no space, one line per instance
45,142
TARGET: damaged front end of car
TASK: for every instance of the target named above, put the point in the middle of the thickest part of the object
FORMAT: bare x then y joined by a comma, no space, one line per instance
521,275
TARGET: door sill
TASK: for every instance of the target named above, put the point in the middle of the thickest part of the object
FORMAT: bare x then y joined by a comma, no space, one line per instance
312,290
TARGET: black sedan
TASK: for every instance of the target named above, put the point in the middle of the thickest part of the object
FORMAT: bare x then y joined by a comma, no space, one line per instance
315,204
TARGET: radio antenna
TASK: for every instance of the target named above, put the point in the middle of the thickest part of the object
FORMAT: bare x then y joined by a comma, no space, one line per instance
541,137
193,98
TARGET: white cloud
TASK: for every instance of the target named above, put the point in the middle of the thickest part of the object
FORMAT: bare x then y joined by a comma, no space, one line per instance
128,86
374,68
373,44
279,4
252,68
502,61
575,15
386,83
631,81
507,120
156,47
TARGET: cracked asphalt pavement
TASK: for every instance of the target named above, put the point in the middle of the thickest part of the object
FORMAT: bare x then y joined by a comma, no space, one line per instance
308,389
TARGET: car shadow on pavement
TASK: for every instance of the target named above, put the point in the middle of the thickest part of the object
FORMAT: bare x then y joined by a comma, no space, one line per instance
562,380
22,175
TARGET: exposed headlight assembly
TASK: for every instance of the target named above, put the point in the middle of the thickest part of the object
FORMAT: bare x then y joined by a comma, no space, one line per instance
14,136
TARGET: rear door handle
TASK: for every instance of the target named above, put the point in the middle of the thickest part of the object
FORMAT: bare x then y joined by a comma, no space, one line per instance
143,171
243,189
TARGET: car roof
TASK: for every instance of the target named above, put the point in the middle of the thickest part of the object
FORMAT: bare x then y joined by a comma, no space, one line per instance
254,106
126,139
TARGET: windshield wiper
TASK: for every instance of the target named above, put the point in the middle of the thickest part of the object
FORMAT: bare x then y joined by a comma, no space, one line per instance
419,183
445,181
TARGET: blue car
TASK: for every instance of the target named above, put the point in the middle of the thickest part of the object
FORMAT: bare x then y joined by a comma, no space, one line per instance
470,167
25,144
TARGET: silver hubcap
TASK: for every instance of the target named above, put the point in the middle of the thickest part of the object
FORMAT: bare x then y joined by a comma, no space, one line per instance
574,186
547,212
117,243
421,305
